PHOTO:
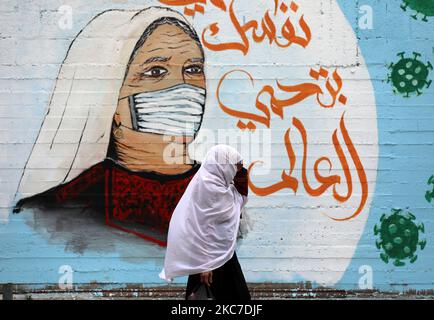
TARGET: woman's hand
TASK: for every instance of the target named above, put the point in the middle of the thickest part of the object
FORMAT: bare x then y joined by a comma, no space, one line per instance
241,181
206,277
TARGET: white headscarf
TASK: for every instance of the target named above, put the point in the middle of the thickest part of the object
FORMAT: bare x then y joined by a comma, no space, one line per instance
203,229
75,133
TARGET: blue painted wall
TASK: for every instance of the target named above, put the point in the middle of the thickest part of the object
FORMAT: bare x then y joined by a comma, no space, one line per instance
31,56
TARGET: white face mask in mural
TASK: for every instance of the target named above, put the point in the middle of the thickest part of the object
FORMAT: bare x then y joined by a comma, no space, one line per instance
175,111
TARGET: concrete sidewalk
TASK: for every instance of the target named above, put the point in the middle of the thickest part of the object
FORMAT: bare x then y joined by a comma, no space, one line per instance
258,292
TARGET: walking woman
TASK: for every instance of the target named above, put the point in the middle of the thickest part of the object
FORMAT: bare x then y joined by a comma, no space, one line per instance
204,226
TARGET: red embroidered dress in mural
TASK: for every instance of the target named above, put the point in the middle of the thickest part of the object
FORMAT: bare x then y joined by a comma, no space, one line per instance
140,203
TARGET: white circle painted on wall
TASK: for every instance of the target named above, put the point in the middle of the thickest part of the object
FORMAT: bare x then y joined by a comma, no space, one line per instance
287,79
301,103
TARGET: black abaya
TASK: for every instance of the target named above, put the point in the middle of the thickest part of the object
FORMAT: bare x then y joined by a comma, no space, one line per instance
228,282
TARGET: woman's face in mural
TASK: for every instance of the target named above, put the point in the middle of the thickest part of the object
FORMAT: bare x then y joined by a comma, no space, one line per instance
167,58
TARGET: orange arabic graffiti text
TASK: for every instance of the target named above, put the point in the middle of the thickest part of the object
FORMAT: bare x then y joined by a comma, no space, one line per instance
290,182
300,93
259,31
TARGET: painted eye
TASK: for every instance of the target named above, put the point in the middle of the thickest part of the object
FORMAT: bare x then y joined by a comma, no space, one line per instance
155,72
194,70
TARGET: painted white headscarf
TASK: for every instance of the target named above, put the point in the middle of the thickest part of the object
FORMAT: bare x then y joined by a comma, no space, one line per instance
203,229
75,133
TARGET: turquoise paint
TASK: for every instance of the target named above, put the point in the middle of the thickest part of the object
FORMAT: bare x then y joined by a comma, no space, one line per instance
406,149
406,146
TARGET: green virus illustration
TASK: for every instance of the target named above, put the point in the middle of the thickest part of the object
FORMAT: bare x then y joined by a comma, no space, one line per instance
399,237
409,75
423,7
429,195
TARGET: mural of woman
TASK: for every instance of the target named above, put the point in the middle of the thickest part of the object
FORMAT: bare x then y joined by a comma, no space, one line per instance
128,100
